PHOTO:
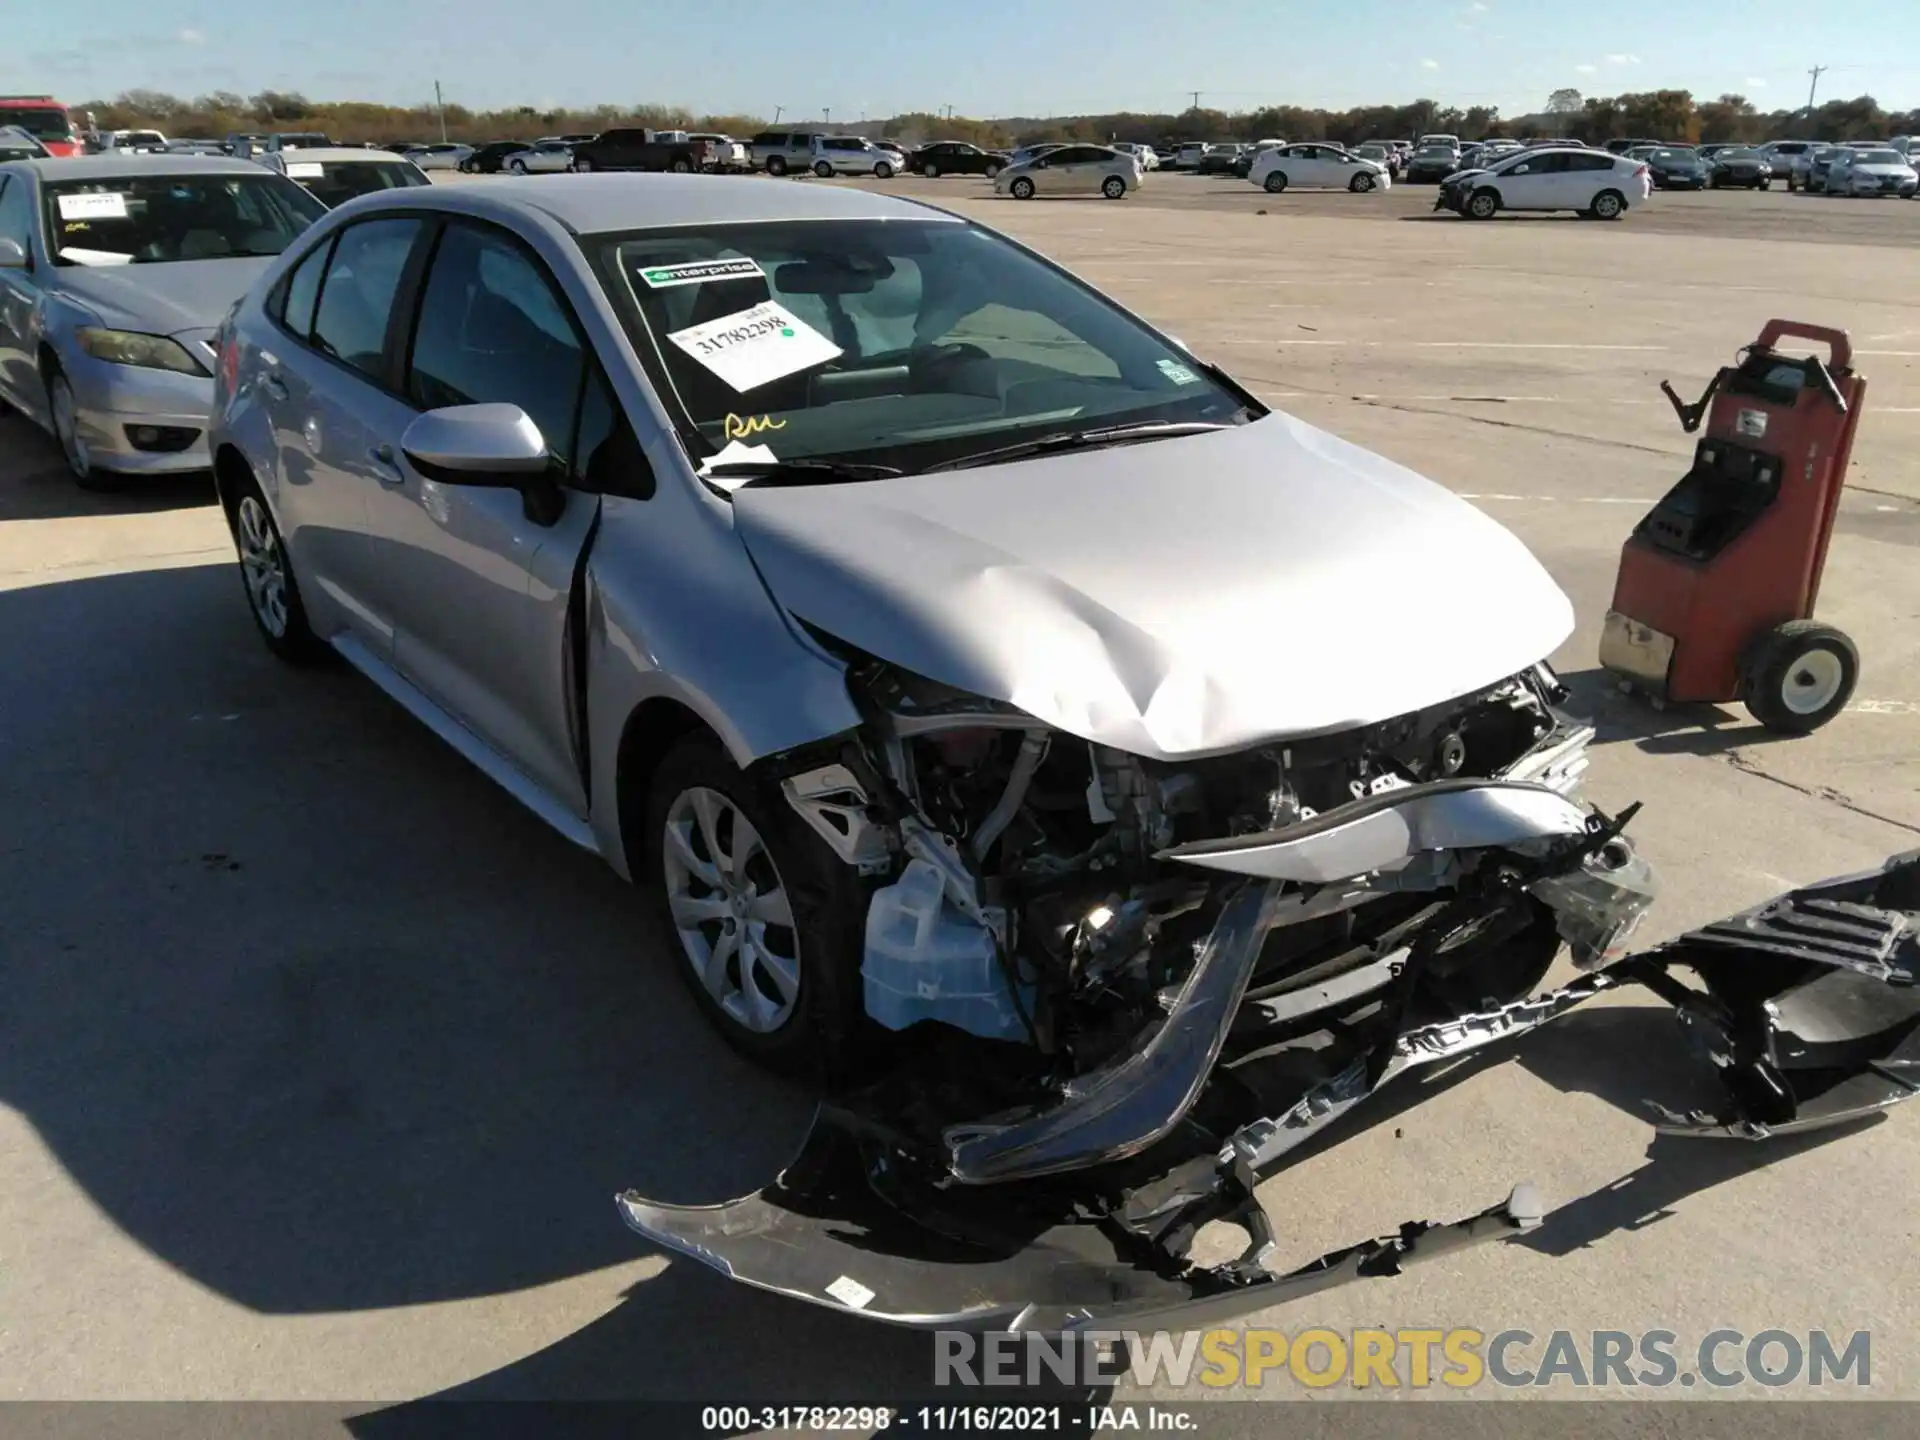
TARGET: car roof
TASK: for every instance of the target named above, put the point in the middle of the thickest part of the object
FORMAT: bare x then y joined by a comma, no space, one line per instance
101,167
602,203
323,153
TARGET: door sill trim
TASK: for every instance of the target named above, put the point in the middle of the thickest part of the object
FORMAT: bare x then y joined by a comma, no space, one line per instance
489,761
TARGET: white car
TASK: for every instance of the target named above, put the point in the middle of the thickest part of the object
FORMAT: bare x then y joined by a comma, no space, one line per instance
852,155
1071,170
1317,166
1872,172
543,157
444,156
1143,153
1589,182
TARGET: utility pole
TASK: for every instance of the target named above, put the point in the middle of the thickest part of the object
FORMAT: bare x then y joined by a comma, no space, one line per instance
776,113
1196,98
826,115
1813,85
440,106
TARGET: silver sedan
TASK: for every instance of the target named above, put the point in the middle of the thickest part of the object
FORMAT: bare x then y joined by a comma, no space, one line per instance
1072,170
114,272
541,158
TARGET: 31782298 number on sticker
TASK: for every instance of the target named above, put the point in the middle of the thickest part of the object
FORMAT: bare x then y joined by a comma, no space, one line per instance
752,347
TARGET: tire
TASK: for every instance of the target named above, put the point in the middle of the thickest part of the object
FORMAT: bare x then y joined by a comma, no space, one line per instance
1021,189
64,412
776,166
1360,184
266,575
1114,188
883,171
823,169
1798,676
1275,182
680,165
518,167
1483,204
1766,184
1609,205
992,172
790,997
583,164
932,172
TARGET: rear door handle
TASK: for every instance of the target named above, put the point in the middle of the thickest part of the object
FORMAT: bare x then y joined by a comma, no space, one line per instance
275,386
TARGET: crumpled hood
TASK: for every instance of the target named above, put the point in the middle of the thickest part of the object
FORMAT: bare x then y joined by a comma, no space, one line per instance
162,299
1183,596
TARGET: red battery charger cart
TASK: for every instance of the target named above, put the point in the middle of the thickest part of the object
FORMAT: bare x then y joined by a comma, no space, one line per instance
1714,599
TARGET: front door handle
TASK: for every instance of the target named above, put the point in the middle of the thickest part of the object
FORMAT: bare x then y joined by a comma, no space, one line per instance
275,386
387,468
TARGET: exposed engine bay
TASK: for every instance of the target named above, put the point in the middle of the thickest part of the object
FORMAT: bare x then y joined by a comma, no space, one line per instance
1123,990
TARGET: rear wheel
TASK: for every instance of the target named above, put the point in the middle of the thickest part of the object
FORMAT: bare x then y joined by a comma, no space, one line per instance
1022,189
1798,676
1275,182
823,169
1114,188
1609,205
273,597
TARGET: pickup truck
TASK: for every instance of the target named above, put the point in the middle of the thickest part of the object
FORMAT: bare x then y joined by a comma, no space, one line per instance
638,149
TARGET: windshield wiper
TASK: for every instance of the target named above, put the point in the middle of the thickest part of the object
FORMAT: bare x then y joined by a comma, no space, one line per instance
1083,440
768,473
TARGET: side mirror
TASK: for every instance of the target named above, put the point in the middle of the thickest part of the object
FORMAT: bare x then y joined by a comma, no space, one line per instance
497,446
13,255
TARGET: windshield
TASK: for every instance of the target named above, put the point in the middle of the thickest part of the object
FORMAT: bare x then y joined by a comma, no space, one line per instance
50,123
903,343
1682,155
148,219
334,182
1880,157
1738,152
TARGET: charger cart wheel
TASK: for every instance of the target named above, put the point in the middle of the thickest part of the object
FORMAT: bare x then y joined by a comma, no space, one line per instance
1798,676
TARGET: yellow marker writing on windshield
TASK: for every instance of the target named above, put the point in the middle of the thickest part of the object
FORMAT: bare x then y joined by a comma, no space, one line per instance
738,429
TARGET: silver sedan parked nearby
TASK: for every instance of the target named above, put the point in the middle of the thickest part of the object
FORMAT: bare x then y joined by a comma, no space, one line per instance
543,157
1071,170
113,274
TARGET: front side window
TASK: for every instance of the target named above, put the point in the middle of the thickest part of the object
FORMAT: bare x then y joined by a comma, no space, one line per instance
899,343
157,219
356,297
492,330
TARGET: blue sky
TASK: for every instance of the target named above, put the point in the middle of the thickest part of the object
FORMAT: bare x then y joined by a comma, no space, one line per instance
986,57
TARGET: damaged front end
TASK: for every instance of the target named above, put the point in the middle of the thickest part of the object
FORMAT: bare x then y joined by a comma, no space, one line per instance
1124,991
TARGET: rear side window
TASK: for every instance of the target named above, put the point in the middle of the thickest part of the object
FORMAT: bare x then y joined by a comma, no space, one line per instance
356,298
492,329
297,296
1590,162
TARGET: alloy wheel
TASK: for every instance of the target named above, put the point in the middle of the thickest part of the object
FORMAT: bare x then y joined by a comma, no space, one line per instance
262,565
730,909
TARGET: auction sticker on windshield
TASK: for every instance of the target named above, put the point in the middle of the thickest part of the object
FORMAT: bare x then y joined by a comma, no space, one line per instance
698,272
109,206
306,170
753,347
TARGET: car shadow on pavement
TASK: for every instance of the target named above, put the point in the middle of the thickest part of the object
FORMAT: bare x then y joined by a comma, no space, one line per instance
38,486
308,1008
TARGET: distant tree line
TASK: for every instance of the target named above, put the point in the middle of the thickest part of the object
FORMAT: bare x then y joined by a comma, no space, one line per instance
1656,114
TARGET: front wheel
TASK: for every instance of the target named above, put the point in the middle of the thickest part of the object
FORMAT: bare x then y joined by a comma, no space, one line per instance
66,429
769,925
1798,676
823,169
1021,189
992,172
1609,205
1483,205
1275,182
883,171
582,164
1114,188
1361,184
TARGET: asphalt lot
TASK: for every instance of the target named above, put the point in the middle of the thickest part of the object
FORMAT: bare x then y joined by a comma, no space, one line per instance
323,1061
